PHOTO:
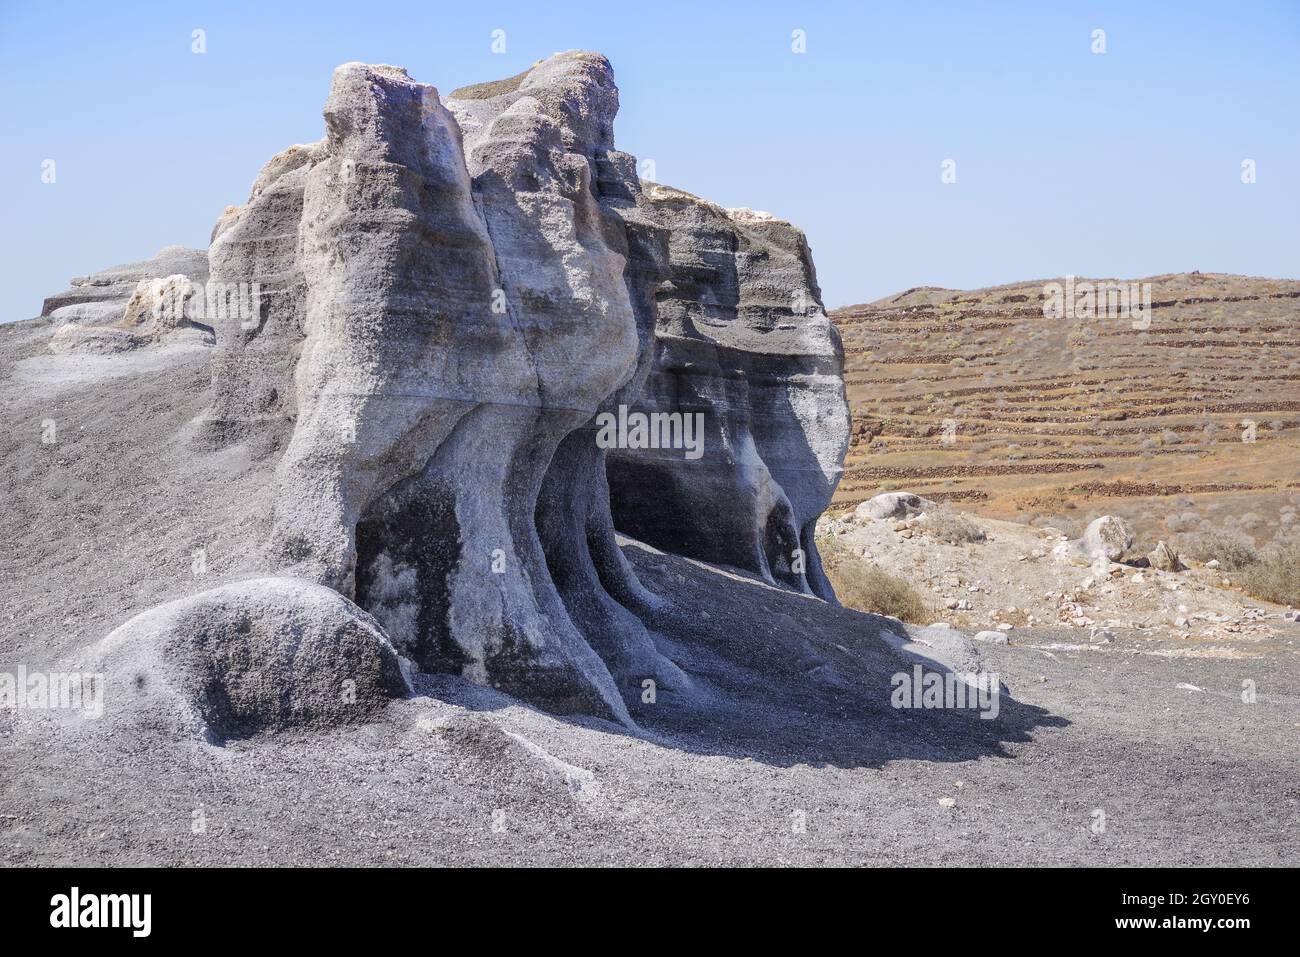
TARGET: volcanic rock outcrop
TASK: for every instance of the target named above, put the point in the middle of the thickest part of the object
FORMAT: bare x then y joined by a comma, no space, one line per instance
133,305
450,298
452,310
744,348
101,298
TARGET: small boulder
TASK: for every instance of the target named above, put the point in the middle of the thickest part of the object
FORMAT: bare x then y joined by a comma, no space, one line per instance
892,505
1106,537
259,655
159,306
92,340
948,647
1164,558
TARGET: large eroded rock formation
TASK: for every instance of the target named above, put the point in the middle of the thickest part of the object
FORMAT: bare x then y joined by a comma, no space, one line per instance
454,308
451,295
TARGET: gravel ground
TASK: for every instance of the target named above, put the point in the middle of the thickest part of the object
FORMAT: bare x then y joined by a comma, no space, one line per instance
803,762
1015,577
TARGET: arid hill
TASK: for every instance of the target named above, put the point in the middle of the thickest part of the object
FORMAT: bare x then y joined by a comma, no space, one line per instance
1179,418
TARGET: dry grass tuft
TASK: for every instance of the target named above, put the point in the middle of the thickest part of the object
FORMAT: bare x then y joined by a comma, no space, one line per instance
1275,576
863,586
1232,551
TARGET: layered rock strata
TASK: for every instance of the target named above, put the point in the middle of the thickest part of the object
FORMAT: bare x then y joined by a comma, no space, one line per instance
743,346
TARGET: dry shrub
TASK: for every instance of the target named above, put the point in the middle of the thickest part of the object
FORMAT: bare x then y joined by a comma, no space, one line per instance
863,586
1275,576
1232,551
953,527
868,588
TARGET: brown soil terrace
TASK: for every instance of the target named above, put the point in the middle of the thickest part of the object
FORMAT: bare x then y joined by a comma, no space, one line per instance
1060,419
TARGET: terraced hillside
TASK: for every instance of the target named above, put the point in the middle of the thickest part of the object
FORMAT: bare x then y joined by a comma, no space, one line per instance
978,399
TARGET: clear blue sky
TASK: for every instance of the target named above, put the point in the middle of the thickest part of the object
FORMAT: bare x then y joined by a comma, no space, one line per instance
1121,164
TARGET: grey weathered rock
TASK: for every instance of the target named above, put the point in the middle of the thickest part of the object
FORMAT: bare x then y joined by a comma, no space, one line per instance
257,655
168,308
889,505
1164,558
744,348
1107,536
452,311
93,340
258,243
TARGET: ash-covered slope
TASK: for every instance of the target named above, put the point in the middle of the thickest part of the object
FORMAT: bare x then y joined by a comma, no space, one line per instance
422,321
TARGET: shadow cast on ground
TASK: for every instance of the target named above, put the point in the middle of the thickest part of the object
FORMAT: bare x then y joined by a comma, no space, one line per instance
782,679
